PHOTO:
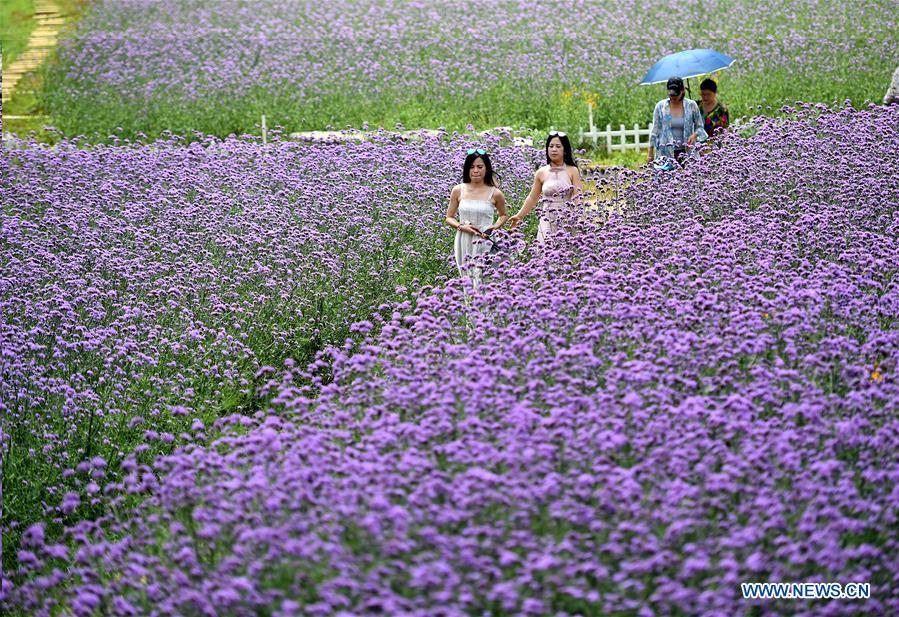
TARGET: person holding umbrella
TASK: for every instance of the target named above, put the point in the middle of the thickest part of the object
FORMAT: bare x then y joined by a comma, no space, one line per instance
676,125
672,70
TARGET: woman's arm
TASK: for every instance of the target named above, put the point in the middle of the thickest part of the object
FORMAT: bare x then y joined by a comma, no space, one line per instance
530,201
500,203
574,174
453,208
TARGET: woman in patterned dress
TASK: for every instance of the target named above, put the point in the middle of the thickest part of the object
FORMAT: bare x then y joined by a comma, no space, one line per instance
713,112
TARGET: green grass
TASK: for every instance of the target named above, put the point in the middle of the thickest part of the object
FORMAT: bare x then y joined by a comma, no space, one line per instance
629,158
97,113
16,24
24,101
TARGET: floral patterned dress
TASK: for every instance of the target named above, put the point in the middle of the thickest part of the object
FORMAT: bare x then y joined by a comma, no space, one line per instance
716,120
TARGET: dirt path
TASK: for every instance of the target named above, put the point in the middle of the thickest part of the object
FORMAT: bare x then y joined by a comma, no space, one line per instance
40,44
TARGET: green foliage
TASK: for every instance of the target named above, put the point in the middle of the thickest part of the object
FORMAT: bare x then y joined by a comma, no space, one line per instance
16,24
95,116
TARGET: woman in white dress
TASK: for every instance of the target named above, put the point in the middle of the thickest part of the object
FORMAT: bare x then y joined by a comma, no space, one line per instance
471,208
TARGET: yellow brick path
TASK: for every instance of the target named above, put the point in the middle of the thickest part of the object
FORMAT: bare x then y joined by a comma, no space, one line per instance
41,42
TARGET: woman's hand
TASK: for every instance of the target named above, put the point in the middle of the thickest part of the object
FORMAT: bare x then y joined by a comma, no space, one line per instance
691,140
471,229
530,202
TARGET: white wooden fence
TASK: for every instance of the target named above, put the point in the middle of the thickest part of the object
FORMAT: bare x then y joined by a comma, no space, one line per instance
620,140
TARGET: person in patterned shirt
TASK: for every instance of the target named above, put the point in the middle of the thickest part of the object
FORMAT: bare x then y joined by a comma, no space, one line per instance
714,113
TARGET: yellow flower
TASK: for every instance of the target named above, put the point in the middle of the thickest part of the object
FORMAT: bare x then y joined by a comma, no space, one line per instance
876,375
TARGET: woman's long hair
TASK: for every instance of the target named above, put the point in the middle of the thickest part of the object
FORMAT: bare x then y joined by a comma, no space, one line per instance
489,179
567,154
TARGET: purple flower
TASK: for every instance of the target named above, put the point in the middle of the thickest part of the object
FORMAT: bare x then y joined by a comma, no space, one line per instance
609,424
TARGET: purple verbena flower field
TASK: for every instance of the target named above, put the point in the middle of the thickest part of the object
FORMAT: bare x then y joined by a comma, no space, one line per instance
144,288
696,390
216,66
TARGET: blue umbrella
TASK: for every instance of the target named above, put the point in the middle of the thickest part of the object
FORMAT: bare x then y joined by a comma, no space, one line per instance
686,64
